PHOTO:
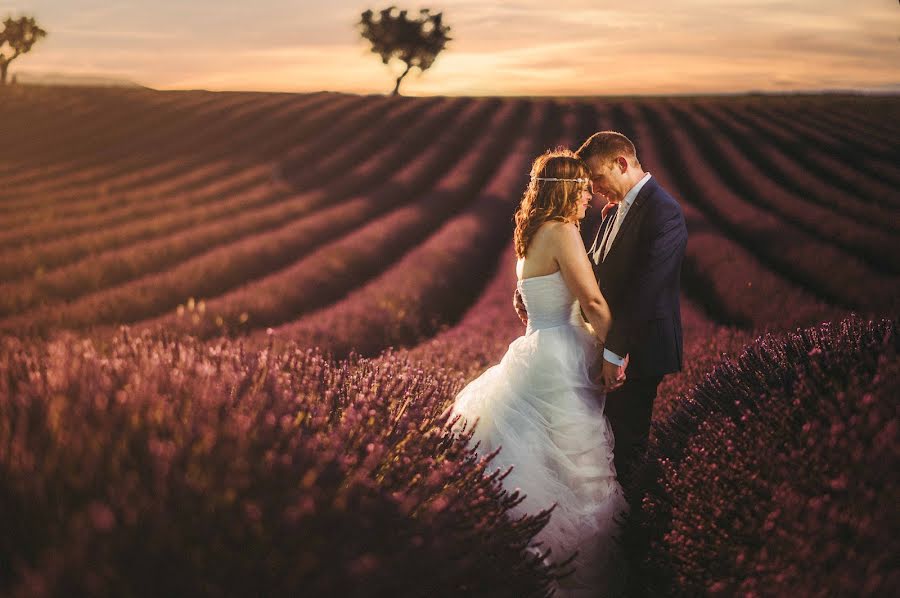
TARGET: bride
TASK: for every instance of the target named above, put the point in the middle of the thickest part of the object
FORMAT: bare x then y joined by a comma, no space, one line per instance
540,404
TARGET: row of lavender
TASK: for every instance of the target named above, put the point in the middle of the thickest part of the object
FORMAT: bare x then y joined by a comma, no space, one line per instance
736,272
739,210
156,209
222,204
278,471
777,474
773,461
371,319
226,266
442,277
79,173
165,466
221,433
197,179
392,243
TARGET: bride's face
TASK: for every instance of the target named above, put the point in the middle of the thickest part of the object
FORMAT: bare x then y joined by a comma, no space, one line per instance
584,200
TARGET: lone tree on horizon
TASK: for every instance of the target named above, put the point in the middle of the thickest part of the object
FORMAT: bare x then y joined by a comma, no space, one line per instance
415,42
16,39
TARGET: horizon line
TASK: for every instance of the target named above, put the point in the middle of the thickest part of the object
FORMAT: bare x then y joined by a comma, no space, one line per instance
114,81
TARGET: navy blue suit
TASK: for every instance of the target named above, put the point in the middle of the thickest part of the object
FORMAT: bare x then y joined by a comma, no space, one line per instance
641,281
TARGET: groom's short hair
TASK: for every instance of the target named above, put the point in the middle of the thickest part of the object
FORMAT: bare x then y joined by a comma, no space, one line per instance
607,145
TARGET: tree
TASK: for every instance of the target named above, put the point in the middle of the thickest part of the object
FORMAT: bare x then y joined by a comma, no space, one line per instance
16,38
415,42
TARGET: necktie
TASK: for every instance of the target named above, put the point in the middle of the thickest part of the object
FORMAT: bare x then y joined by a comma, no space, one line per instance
598,249
620,216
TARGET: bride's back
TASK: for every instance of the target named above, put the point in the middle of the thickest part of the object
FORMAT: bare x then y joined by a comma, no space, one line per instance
546,296
541,258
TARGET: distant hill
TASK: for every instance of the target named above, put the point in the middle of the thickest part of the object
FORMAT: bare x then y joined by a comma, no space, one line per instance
75,79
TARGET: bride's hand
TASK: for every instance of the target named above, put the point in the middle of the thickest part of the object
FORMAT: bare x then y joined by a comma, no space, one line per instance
613,376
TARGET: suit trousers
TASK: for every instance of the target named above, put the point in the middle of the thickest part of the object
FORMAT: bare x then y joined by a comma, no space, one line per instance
629,409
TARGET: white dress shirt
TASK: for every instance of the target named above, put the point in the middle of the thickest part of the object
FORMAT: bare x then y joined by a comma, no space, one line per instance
611,232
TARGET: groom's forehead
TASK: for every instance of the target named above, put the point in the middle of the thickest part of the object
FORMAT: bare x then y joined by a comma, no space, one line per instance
597,162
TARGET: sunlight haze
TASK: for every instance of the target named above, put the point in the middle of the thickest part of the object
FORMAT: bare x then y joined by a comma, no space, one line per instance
520,47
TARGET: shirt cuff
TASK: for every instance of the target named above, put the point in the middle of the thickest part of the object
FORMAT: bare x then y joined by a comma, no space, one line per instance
612,357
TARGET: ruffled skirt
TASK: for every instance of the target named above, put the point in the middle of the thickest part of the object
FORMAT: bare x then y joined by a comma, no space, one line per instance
540,406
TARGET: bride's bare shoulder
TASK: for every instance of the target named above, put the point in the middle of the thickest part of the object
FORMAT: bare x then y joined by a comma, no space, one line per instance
559,232
555,238
556,228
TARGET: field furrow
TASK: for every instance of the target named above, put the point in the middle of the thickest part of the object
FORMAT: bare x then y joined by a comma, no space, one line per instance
45,126
323,276
343,220
337,268
222,222
828,271
197,188
847,128
83,183
31,117
227,267
840,138
793,176
878,158
148,148
152,158
55,145
722,277
825,225
839,170
433,284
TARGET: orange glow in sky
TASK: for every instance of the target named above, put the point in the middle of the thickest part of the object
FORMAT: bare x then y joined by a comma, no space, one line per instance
519,47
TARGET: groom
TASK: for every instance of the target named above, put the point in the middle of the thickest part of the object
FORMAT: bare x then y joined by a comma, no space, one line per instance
636,255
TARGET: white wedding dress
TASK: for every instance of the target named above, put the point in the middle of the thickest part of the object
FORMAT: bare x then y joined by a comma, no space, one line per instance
541,407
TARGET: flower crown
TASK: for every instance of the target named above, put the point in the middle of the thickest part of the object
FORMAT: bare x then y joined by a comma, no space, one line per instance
544,178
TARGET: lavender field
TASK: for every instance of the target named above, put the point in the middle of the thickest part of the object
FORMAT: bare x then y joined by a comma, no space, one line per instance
231,323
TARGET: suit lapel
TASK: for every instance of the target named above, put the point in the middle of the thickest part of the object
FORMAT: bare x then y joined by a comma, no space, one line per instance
631,216
601,233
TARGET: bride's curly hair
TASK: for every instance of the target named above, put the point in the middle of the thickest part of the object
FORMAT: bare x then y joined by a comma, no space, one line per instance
546,201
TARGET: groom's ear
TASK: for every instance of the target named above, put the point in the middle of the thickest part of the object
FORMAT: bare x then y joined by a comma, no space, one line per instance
621,163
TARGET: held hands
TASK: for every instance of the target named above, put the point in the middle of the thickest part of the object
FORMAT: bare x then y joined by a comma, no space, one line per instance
519,306
610,376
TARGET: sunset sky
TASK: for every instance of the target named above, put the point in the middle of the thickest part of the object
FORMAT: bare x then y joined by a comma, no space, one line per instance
520,47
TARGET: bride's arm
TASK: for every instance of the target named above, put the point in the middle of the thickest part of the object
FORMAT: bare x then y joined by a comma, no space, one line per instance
576,270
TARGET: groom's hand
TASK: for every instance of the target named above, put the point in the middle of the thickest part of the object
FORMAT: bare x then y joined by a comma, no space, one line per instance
519,305
612,376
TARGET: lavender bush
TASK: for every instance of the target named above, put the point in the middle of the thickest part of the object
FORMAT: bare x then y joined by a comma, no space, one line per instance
167,466
778,473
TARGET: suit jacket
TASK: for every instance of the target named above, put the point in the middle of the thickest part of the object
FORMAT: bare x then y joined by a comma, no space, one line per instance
641,281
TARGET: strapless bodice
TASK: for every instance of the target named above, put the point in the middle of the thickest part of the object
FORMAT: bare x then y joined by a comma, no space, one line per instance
549,302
